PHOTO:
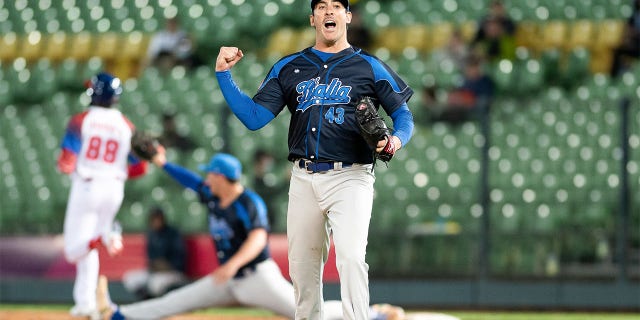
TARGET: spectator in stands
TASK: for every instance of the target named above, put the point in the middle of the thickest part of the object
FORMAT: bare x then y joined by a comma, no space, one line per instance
429,107
629,49
463,101
171,137
166,257
268,184
170,47
498,13
495,44
456,50
359,35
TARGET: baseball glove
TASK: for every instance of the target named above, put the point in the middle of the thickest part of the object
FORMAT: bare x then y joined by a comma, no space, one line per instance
373,128
143,145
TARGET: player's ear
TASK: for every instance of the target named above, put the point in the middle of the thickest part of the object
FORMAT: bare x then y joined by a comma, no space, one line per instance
349,16
312,21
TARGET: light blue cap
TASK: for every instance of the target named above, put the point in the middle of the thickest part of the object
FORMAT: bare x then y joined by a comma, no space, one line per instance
224,164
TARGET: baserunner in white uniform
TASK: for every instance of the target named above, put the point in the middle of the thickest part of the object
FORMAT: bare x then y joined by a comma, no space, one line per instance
96,154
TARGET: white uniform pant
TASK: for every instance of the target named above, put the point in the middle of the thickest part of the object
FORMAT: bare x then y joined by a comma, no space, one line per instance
91,208
155,283
265,288
337,201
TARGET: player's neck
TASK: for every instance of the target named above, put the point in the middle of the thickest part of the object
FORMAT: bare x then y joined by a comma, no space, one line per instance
332,47
229,195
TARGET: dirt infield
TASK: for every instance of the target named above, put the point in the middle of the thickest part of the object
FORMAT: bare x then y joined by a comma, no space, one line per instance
64,315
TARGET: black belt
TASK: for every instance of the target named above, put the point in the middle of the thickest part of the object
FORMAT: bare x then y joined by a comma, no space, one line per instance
321,166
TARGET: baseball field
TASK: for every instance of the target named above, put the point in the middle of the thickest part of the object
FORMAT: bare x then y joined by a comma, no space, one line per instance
60,312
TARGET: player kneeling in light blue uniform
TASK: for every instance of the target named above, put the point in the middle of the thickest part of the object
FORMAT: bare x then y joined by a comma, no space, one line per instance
239,228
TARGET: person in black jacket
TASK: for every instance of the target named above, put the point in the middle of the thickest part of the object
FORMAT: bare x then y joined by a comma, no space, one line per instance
165,260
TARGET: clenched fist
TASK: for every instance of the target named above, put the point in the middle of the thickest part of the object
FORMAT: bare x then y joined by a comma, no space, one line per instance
227,58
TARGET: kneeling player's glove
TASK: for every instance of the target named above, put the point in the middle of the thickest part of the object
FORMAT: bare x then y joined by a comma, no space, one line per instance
373,128
144,145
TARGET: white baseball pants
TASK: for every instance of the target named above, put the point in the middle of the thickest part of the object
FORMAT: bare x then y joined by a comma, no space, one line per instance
265,288
337,201
156,283
91,208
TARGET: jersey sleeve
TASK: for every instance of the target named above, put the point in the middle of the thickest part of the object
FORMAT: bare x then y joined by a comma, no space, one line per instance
257,213
72,139
403,123
271,94
71,144
390,89
136,168
253,115
186,178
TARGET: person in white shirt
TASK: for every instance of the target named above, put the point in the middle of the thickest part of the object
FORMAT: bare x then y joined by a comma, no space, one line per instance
170,47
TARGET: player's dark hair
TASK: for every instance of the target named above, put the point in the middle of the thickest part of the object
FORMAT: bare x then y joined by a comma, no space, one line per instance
345,3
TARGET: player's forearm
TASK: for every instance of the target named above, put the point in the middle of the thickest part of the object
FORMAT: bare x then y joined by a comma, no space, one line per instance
403,124
251,114
186,178
250,249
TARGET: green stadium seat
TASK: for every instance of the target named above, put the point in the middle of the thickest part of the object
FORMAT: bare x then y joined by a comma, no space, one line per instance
576,67
504,76
531,76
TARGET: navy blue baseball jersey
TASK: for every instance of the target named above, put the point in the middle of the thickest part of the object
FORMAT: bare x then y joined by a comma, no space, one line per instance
229,227
322,96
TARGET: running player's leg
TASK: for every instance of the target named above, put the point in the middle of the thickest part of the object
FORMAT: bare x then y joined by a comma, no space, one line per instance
79,228
268,289
201,294
80,221
85,284
350,199
308,239
112,194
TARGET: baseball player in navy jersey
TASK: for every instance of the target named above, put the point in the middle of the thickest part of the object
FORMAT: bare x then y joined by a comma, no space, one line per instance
239,227
331,188
96,154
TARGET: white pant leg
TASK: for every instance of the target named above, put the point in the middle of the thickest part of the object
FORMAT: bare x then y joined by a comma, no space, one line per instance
349,199
134,280
80,221
332,310
308,240
266,288
86,282
160,282
91,208
201,294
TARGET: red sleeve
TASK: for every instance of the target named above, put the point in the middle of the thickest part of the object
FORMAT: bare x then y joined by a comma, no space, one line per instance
137,170
67,161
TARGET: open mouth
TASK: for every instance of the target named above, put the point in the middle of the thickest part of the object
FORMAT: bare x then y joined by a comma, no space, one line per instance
329,24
